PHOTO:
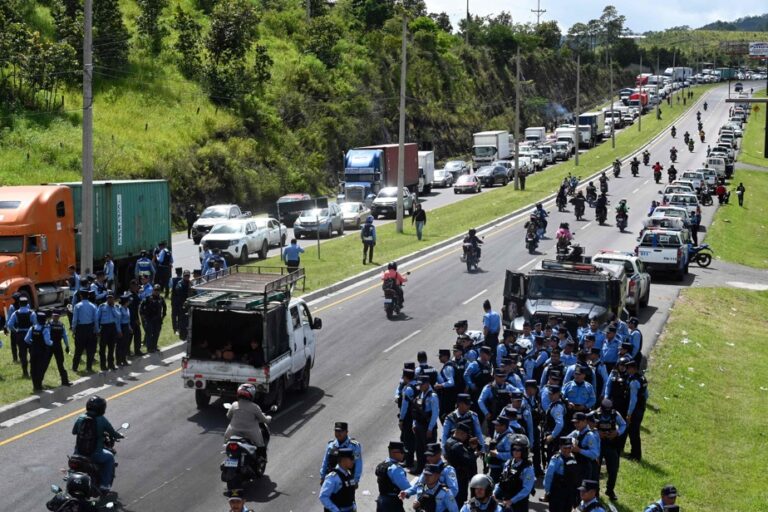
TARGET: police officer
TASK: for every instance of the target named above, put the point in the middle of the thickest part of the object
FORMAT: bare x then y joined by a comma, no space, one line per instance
553,423
638,396
599,370
84,325
617,391
609,353
153,311
586,449
481,496
594,329
337,493
58,335
588,495
491,326
425,407
431,495
181,292
236,501
517,479
391,479
463,414
579,394
525,417
610,427
447,478
446,383
340,442
461,453
504,349
99,288
553,364
494,398
567,355
562,478
133,308
424,368
500,447
19,324
108,326
164,263
405,414
636,338
144,266
668,499
38,339
175,306
478,374
123,342
535,359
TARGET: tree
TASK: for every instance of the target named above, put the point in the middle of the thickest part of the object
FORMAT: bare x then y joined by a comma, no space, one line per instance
373,13
443,21
322,36
233,29
148,23
611,25
187,44
549,34
111,40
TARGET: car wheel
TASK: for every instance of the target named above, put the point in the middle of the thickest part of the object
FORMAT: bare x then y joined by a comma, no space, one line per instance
282,240
264,250
202,398
341,229
455,191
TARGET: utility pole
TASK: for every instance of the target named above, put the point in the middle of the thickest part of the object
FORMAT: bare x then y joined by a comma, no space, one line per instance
640,99
538,11
613,119
466,30
578,113
517,119
658,102
309,11
86,212
401,134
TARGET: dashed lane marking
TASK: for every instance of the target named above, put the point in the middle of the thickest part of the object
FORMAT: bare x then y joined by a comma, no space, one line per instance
473,297
402,341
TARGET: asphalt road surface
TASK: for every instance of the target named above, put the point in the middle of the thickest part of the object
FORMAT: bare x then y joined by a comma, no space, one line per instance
171,458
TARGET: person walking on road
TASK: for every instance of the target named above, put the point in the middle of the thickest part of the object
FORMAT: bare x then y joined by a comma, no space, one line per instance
124,341
337,493
419,218
190,216
368,237
740,193
84,326
341,441
292,255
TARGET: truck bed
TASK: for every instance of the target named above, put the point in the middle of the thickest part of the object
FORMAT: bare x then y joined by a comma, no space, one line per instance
263,280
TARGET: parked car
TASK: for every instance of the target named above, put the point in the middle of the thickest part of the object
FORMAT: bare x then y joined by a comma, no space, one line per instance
277,232
457,168
491,175
319,220
214,215
688,201
467,183
638,280
288,215
386,202
236,239
443,178
354,214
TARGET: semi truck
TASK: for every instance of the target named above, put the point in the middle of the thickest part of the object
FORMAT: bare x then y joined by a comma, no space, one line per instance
678,74
726,73
40,239
245,326
426,171
369,169
596,120
638,100
489,146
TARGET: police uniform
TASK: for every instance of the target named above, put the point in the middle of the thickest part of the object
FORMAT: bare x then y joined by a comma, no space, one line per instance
425,408
516,484
133,308
164,260
19,324
405,415
58,336
592,505
334,447
562,480
181,292
391,479
533,404
126,320
337,494
38,339
608,422
477,375
109,329
435,498
175,305
589,443
446,377
462,458
501,442
153,310
470,418
638,396
553,422
99,288
494,399
84,325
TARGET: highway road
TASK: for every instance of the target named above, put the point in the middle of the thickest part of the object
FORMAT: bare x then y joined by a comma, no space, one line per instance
171,458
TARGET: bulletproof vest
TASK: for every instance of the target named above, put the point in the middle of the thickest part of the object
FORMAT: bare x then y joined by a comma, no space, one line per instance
382,478
333,457
23,319
499,400
57,331
344,497
549,420
571,477
400,388
133,306
606,422
535,408
497,438
419,408
640,349
555,369
153,307
511,480
427,501
643,391
430,372
459,367
592,506
518,429
619,388
476,506
409,409
537,370
583,459
485,375
599,381
38,341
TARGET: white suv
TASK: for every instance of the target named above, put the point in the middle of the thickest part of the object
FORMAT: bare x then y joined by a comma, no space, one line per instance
638,280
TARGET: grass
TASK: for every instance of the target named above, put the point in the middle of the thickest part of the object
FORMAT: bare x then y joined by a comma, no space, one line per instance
342,258
753,142
697,42
705,427
731,223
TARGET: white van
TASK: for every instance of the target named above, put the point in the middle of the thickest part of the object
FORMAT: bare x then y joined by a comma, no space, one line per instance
717,164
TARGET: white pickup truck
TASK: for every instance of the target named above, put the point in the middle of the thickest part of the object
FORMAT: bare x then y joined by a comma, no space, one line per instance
663,250
246,327
638,280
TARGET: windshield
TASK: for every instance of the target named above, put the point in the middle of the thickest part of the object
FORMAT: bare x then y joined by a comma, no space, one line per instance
11,244
683,199
562,288
388,192
628,268
669,212
455,164
466,178
261,223
215,212
316,212
484,171
661,240
350,207
227,229
484,151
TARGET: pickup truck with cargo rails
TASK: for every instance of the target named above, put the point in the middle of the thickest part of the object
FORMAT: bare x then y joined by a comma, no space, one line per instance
39,234
489,146
663,250
535,134
596,121
245,326
567,134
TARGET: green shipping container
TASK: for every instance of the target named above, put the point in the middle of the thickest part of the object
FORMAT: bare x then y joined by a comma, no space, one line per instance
128,216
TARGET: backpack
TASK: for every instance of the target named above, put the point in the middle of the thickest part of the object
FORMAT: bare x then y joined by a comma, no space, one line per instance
368,232
85,443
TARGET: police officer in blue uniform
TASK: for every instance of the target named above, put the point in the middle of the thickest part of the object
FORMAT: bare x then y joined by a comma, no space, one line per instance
38,339
494,398
84,325
610,349
109,328
579,394
333,448
610,427
638,396
164,263
391,479
562,478
517,479
595,331
636,338
491,325
424,368
586,449
144,266
59,336
99,287
463,414
337,493
19,324
668,499
431,495
425,407
461,453
123,342
448,477
478,374
553,422
500,447
405,394
481,496
588,495
446,383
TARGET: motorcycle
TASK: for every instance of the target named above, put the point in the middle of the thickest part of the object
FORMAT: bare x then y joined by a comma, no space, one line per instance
698,116
621,221
579,210
591,196
700,254
686,137
470,257
573,253
705,106
702,136
244,461
657,176
674,132
646,158
690,145
63,502
616,169
531,242
82,464
635,166
392,303
572,185
673,156
601,215
561,203
603,186
705,197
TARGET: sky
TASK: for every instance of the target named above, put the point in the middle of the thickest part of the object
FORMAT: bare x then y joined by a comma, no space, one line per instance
642,16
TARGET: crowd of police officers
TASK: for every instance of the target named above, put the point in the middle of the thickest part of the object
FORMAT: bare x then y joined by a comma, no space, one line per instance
551,404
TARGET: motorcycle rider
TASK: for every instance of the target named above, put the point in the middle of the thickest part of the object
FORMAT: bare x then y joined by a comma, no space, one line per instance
698,115
674,131
646,157
601,206
90,429
603,183
542,215
672,173
686,137
690,145
673,153
591,191
473,239
563,235
622,208
532,228
616,167
702,136
77,495
705,106
245,415
657,168
634,165
562,198
578,203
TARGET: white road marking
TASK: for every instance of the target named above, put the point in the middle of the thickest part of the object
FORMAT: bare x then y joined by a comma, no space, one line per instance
646,182
402,341
150,367
529,263
473,297
169,360
88,392
23,417
748,286
585,226
635,191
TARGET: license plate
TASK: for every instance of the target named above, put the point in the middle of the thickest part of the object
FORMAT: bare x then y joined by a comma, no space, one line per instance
387,301
231,463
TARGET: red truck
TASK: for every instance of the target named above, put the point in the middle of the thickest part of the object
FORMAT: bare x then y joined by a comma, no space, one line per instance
638,100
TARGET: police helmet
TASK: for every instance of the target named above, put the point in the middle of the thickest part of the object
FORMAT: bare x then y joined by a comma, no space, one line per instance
624,361
520,441
143,253
481,481
246,391
79,485
96,405
392,265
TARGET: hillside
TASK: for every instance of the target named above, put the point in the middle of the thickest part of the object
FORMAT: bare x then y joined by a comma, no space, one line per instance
693,46
245,100
747,23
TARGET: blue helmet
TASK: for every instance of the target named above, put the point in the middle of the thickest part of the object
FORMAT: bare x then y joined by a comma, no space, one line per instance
369,220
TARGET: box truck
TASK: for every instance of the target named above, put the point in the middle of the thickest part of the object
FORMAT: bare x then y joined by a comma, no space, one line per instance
426,171
489,146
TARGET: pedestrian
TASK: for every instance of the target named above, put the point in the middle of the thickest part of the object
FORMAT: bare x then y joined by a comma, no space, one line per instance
425,408
292,255
638,396
153,311
163,260
431,494
109,330
109,271
368,237
695,220
133,309
124,341
38,339
491,326
588,495
337,493
668,499
84,326
391,479
18,324
461,452
59,335
190,215
562,478
740,193
586,447
341,441
610,428
521,179
175,306
182,291
517,479
720,192
419,218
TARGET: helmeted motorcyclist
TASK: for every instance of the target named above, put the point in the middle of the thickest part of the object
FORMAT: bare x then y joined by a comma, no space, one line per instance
562,196
542,215
601,206
657,168
634,165
245,415
603,182
690,145
686,137
705,106
591,190
622,207
646,157
76,497
564,233
481,495
617,165
391,274
578,203
532,227
94,417
672,173
473,239
674,131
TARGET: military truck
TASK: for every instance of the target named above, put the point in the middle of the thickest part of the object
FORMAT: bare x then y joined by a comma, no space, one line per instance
565,289
246,327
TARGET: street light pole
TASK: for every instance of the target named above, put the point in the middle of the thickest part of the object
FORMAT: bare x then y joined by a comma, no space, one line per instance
578,104
640,99
517,119
86,211
401,133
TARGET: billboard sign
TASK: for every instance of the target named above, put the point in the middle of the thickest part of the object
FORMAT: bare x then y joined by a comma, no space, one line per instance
759,50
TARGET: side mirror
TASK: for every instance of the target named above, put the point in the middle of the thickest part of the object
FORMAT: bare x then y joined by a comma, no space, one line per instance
317,324
55,489
43,243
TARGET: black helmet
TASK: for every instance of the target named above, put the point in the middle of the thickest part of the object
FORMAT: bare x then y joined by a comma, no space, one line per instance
521,442
564,225
538,205
79,485
481,481
472,232
96,405
392,265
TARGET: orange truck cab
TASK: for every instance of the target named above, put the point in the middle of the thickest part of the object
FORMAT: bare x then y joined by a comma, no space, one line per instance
37,244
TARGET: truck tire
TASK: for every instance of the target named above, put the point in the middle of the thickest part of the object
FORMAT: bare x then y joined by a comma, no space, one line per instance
646,298
264,250
243,255
202,398
279,394
428,189
303,384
